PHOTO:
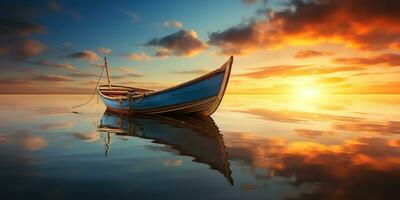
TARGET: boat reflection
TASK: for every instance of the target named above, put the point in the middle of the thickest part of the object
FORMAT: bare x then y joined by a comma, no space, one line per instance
197,137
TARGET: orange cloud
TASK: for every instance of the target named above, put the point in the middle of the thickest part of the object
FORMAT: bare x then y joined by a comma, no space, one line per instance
138,56
163,53
312,53
295,70
388,59
331,80
51,78
65,66
362,24
375,88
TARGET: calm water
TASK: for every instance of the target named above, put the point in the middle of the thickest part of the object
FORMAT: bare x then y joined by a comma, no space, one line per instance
254,147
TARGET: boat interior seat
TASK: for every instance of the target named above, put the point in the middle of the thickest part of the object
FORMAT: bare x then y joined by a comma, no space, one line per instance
123,91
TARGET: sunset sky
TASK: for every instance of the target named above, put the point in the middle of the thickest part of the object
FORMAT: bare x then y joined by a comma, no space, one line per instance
303,47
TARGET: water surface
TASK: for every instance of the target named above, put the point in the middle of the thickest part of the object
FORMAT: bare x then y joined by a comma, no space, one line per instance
253,147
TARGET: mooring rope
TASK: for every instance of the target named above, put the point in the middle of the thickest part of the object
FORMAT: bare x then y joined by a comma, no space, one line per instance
94,92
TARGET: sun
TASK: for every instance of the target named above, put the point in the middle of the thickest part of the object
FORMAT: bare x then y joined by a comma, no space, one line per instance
309,93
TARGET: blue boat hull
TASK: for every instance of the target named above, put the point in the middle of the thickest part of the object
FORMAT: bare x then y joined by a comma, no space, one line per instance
201,95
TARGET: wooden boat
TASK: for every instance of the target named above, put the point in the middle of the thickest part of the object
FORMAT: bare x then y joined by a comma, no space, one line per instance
200,96
197,137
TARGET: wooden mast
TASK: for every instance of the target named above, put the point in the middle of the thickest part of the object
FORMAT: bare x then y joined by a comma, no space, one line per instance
108,76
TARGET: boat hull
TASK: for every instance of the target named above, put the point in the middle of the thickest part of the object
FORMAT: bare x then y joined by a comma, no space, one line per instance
201,96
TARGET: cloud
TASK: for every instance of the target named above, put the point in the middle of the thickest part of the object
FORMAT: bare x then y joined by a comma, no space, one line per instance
138,56
104,51
180,43
17,18
82,74
173,24
163,53
134,17
50,78
380,88
312,53
65,66
12,80
248,2
239,40
23,48
57,7
85,55
18,26
194,71
128,72
331,80
360,24
388,59
294,70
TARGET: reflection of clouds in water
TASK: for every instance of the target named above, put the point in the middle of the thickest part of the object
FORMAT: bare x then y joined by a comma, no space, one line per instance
261,152
308,133
87,137
33,142
3,138
295,116
52,126
304,189
59,110
331,107
247,186
389,127
173,163
24,139
346,167
162,148
394,142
